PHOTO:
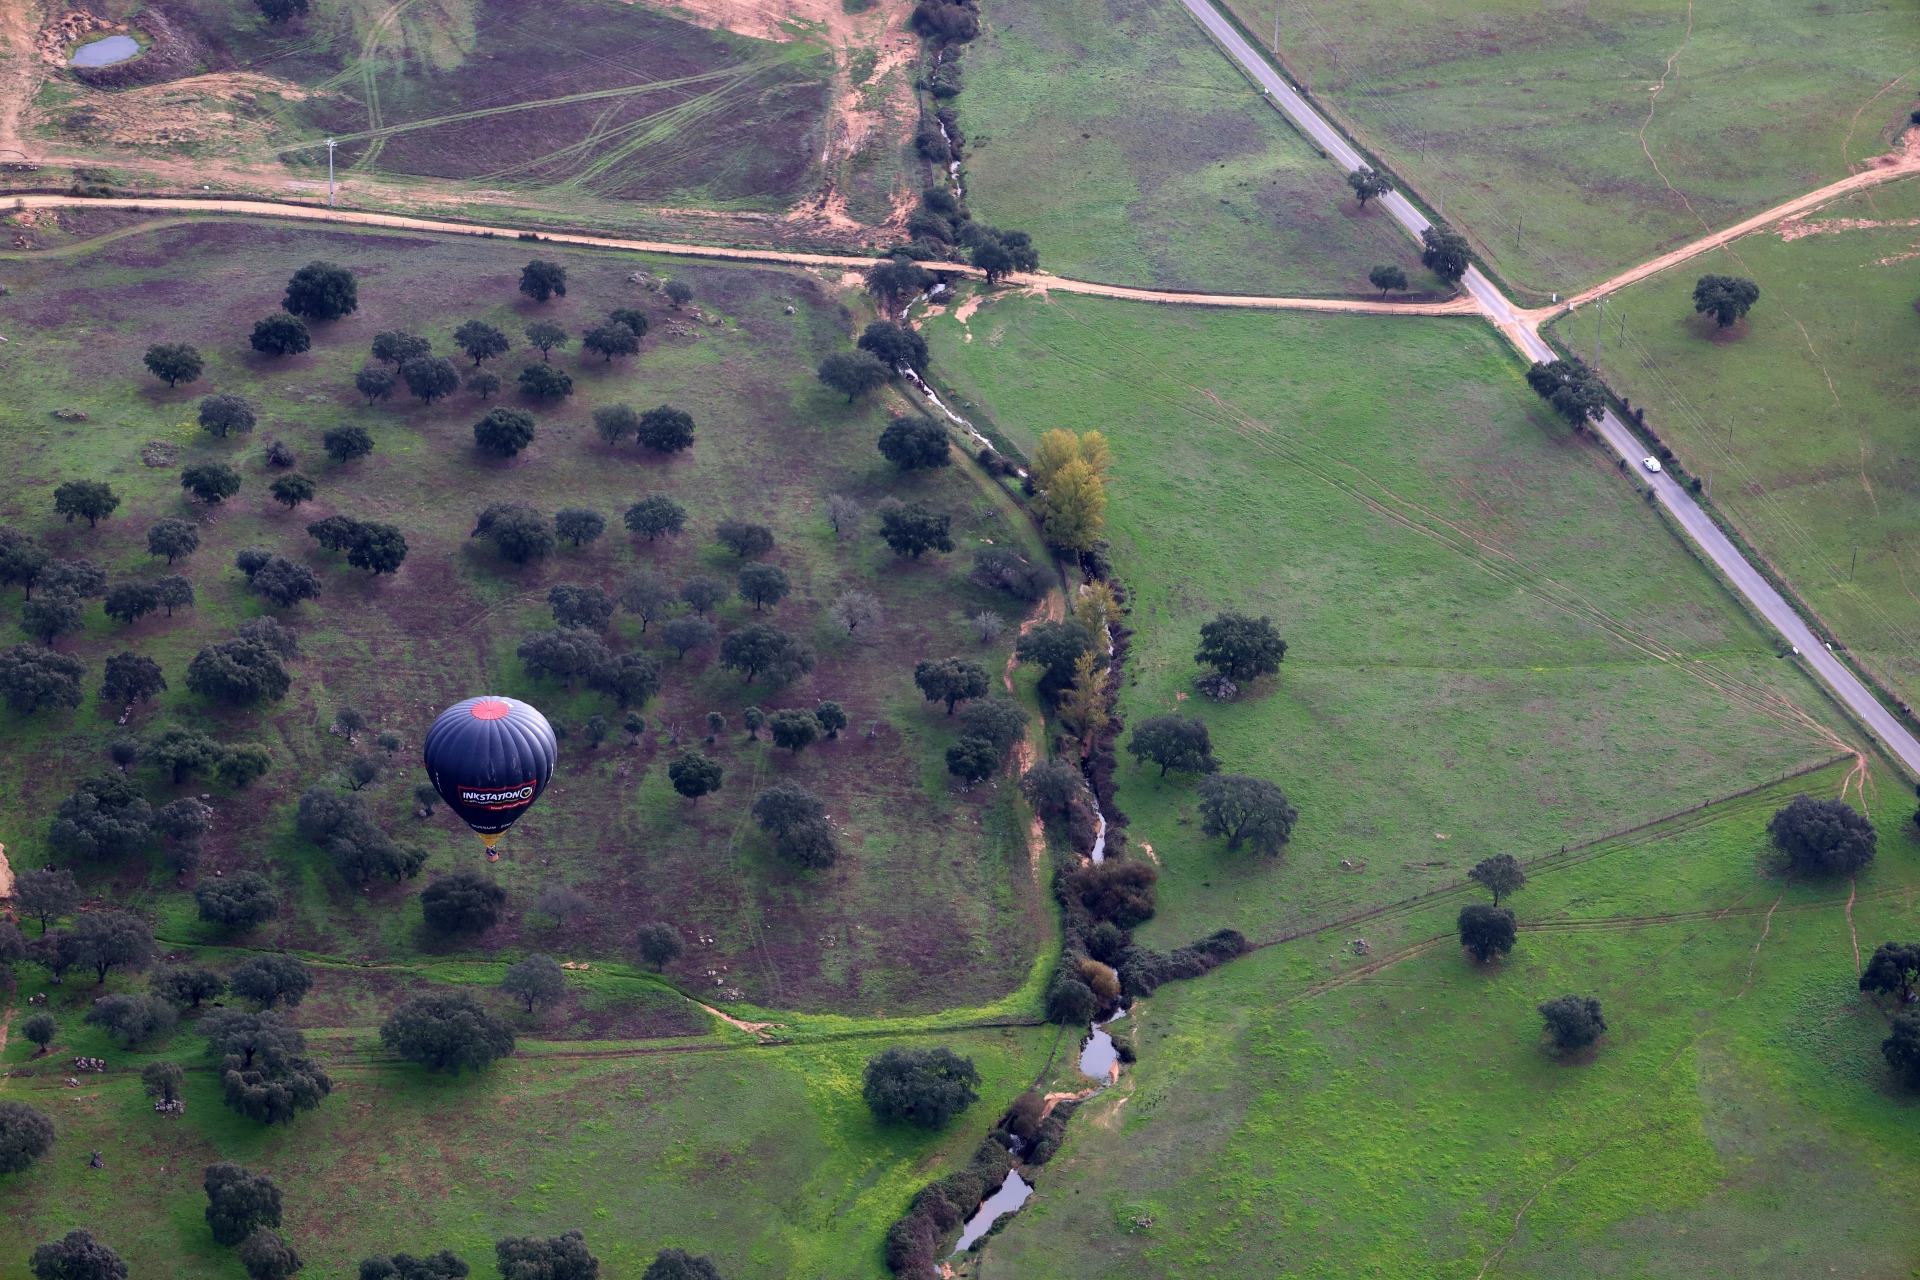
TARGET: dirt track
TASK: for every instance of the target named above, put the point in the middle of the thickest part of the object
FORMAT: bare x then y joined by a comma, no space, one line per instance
1038,281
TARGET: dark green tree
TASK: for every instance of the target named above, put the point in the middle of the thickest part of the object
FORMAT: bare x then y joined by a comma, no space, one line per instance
1367,184
665,429
1726,298
343,444
762,650
678,1264
1894,969
1445,253
578,525
1173,742
175,591
535,980
77,1255
241,670
397,346
1901,1049
615,422
853,373
566,654
634,319
1071,1002
542,280
132,1019
1499,875
1573,390
108,940
278,11
238,1200
545,382
648,597
518,533
40,1029
764,584
577,606
658,944
480,341
702,593
896,280
463,902
163,1080
992,257
610,340
26,1134
446,1031
833,718
1055,647
187,985
794,729
894,346
270,980
173,538
1240,647
654,515
239,902
686,634
430,378
679,293
546,335
483,384
45,894
54,614
926,1088
105,817
93,499
950,680
1001,721
746,540
375,383
224,414
1823,837
1246,810
32,677
1388,279
266,1254
973,759
129,602
282,583
910,529
281,335
694,775
174,362
264,1069
292,489
562,1257
1486,931
444,1265
1574,1022
322,291
211,482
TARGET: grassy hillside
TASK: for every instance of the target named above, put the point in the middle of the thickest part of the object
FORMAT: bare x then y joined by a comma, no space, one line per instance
1309,1112
934,902
1527,122
1135,153
1802,413
1495,645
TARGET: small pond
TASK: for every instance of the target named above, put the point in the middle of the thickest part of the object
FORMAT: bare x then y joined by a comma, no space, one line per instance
1099,1056
1012,1194
104,53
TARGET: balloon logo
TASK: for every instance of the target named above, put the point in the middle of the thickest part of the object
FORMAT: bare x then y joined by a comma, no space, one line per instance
490,758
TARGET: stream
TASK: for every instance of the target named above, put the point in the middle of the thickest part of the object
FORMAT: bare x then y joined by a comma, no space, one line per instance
1013,1193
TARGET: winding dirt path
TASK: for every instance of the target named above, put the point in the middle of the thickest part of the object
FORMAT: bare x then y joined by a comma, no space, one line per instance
20,72
1039,282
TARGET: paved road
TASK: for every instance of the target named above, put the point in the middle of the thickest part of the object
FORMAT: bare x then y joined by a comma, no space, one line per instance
1521,332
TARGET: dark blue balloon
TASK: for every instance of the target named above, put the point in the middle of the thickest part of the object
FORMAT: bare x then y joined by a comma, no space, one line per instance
490,758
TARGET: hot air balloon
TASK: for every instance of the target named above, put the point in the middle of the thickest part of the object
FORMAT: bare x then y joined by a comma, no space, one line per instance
490,758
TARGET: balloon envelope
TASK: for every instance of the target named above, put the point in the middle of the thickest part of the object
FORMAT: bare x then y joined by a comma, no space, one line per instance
490,758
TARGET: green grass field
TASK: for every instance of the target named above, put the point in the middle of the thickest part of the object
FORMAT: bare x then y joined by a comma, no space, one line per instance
1135,153
1525,122
1496,647
934,904
1802,412
1308,1112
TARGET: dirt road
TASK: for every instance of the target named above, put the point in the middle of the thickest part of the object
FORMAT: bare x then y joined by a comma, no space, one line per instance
1039,281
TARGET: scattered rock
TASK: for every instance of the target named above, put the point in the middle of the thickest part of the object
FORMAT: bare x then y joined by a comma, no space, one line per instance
71,415
1217,686
158,453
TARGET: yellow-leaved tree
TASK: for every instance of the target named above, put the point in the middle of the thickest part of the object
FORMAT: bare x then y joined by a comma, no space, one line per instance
1071,473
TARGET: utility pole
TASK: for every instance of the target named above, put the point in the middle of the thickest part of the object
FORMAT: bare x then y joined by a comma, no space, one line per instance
1599,327
1518,231
330,146
1854,565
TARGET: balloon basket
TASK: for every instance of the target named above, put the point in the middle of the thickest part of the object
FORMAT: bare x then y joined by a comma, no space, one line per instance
492,856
